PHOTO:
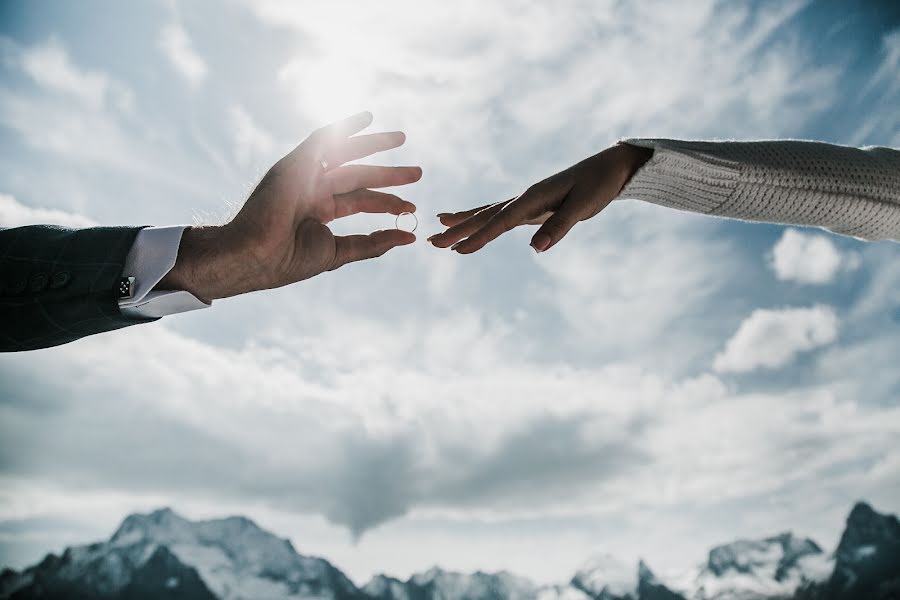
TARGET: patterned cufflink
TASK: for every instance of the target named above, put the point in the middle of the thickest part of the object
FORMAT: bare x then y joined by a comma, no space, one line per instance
126,288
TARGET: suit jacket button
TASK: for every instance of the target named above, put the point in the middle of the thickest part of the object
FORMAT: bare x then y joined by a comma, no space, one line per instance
60,280
39,282
16,286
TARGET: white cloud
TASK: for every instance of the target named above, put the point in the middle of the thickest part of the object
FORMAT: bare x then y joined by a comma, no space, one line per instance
773,338
84,136
178,48
83,120
364,436
504,390
807,258
890,65
634,277
250,140
50,66
88,130
452,62
16,214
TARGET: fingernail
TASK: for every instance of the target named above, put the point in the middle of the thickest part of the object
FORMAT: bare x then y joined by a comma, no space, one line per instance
454,246
442,215
432,237
540,242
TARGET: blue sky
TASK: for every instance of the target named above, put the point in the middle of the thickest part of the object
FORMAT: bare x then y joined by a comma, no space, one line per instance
658,383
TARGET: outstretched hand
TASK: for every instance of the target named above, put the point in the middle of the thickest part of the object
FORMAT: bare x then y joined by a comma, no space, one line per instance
556,203
280,236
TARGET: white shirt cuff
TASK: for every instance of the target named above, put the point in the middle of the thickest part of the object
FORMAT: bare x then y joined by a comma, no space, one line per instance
152,256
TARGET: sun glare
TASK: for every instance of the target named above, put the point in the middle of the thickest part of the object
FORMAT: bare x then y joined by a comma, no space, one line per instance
328,87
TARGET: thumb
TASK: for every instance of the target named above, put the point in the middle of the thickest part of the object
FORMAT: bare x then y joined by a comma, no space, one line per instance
352,248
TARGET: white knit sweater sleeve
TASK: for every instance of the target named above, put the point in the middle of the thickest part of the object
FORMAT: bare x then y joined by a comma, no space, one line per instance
853,191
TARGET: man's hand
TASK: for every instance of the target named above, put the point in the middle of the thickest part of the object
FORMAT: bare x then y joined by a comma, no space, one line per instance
556,203
280,235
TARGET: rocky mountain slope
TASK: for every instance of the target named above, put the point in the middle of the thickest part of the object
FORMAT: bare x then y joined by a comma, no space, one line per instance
162,555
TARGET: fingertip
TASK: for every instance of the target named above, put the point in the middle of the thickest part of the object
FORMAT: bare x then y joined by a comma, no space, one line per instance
437,241
540,242
417,172
463,247
359,121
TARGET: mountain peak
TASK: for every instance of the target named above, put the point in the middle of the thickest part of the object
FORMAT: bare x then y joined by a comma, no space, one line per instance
605,576
644,573
161,524
867,533
233,556
861,509
780,553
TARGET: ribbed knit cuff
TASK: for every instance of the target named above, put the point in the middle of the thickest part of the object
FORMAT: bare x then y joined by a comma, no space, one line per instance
679,175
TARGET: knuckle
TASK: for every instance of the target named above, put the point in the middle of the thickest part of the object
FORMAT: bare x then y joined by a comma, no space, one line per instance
554,228
535,189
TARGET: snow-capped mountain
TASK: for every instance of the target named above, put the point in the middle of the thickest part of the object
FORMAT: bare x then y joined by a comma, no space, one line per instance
601,578
162,555
604,577
773,567
437,584
229,559
104,571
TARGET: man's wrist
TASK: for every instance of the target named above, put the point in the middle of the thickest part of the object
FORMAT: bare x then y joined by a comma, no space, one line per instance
198,267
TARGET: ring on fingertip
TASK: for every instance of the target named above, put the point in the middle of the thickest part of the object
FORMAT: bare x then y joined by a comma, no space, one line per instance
407,222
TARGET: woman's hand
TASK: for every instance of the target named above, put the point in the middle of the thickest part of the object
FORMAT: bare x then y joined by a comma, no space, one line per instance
280,236
556,203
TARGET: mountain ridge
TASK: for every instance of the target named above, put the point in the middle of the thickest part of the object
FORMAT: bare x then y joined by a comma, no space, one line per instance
164,555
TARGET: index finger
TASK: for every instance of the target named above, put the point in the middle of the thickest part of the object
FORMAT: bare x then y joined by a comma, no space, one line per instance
346,127
323,139
451,219
361,146
519,211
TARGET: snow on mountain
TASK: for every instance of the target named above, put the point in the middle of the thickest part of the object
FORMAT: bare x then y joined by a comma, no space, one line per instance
606,577
386,588
161,554
561,592
232,557
236,558
601,578
98,571
773,567
437,584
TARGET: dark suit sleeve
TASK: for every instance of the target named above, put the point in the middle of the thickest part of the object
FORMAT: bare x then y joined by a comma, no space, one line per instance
58,285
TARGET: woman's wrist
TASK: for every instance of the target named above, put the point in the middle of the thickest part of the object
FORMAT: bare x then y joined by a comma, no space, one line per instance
632,158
